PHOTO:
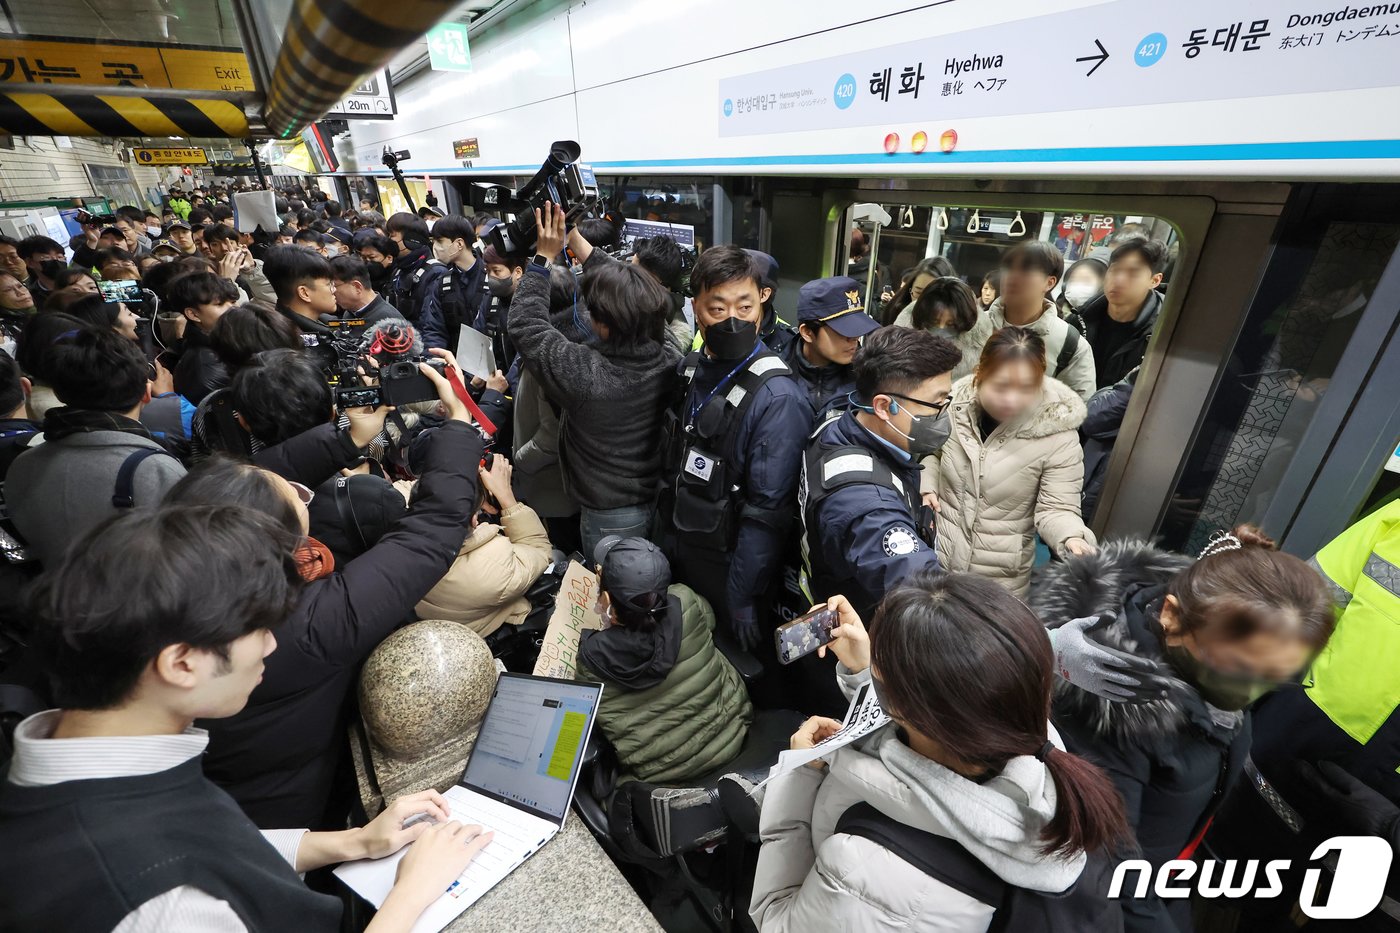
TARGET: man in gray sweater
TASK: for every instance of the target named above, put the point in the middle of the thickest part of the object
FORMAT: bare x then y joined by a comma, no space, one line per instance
97,458
613,391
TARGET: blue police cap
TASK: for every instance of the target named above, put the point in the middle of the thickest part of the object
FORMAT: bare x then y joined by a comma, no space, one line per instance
835,302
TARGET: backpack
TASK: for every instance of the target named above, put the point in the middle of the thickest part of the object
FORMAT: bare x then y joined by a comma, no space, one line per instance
1084,906
1067,351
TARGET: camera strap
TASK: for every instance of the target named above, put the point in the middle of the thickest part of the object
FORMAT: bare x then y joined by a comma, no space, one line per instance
486,424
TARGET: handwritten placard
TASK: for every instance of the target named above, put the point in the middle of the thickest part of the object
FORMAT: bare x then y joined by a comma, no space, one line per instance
574,611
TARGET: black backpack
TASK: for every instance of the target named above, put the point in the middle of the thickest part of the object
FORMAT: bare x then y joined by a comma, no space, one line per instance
1085,906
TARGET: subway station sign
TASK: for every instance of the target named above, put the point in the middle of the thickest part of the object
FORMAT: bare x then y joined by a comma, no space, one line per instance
170,156
122,64
1120,54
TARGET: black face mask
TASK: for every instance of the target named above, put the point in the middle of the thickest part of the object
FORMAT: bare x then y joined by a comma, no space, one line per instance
50,268
731,339
500,286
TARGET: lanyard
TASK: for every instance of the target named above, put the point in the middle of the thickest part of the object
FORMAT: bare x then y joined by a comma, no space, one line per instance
695,409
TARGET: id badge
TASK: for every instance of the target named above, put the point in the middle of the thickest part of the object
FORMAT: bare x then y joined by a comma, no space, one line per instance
699,465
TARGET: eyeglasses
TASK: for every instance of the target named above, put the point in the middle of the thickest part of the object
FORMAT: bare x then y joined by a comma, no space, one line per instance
936,406
303,493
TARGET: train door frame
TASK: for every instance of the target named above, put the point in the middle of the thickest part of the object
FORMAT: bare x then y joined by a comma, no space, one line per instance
1224,227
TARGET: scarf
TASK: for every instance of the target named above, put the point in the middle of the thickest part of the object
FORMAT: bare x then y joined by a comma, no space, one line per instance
314,560
65,422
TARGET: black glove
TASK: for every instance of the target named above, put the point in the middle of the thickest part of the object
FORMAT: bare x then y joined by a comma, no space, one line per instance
743,624
1348,804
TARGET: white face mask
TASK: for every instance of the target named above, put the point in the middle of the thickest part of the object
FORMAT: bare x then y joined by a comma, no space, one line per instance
1078,294
445,255
332,250
153,231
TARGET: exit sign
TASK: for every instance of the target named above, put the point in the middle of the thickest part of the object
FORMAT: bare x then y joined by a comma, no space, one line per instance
447,48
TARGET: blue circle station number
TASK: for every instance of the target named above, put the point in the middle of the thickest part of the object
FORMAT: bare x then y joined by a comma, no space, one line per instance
845,92
1150,50
728,106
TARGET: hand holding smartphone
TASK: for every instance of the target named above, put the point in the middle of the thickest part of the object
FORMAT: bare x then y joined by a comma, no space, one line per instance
804,636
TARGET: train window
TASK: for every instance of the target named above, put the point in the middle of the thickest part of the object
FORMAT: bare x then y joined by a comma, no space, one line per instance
1300,323
671,200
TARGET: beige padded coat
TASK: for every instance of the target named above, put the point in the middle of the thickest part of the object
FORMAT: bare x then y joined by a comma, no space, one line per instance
994,494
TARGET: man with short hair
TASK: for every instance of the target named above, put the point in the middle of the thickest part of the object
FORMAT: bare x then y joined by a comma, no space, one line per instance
354,292
302,281
223,214
17,429
44,258
862,502
736,449
379,252
182,235
97,458
1118,324
830,324
461,285
333,215
202,297
236,263
415,274
152,621
1029,272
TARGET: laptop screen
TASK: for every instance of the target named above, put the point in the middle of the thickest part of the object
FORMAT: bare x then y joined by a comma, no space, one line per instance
529,747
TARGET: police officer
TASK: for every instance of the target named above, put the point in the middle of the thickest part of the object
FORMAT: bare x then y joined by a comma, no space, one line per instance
862,527
415,276
830,324
461,288
770,329
736,449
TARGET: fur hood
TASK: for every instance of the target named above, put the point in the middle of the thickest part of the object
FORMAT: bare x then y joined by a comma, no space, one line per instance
1058,409
1124,578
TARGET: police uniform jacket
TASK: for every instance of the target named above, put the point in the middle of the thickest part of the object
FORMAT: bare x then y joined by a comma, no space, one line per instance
864,537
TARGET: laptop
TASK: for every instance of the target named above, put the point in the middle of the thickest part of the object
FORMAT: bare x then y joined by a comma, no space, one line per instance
519,782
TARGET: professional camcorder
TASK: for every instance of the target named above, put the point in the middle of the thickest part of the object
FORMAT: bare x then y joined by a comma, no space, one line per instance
561,179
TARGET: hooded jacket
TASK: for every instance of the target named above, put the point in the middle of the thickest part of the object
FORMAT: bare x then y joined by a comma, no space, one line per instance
1129,354
485,587
994,494
810,878
1172,759
673,706
1078,374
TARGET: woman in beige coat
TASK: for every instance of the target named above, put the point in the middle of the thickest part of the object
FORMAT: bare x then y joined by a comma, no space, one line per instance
1012,467
485,587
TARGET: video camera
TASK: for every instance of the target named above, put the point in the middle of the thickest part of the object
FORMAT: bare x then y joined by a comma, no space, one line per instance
397,348
561,179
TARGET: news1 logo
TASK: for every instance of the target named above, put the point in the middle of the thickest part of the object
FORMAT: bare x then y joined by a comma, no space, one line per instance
1363,863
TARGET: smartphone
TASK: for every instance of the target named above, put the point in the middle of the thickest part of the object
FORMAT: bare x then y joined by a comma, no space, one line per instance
801,637
124,290
357,397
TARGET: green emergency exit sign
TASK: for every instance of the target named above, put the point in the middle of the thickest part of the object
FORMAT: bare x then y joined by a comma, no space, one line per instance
447,48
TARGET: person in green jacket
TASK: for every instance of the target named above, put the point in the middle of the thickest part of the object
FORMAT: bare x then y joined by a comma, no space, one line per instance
179,205
673,707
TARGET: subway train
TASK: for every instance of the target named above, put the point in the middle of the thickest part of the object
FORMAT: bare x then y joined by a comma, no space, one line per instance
1228,130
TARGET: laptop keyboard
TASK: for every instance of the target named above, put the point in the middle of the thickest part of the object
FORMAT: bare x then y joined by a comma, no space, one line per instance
517,835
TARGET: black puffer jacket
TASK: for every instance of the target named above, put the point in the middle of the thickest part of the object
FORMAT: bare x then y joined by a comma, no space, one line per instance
278,757
1172,759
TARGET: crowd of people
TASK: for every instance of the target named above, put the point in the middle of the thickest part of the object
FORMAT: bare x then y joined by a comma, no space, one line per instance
205,542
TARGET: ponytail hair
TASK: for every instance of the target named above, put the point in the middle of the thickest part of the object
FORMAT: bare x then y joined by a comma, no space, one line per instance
963,662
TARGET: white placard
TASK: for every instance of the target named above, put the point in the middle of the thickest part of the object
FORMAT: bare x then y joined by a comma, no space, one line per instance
863,717
474,353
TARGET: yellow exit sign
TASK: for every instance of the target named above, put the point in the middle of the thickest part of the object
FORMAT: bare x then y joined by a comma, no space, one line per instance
170,156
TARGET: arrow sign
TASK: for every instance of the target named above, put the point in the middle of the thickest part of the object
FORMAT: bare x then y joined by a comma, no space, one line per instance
1098,59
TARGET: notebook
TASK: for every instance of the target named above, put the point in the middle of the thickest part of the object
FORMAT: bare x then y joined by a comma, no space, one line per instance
519,782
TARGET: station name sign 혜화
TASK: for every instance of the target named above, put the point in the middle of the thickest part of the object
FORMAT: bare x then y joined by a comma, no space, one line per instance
170,156
122,64
1120,54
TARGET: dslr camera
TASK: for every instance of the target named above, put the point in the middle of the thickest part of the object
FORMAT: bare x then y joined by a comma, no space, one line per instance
561,179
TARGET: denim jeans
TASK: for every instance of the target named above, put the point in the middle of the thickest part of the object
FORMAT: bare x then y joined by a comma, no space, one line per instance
630,521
